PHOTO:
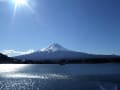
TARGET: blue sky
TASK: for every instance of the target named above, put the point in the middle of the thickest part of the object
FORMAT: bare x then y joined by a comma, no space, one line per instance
91,26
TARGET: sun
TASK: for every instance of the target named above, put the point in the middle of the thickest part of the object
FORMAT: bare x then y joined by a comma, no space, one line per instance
19,4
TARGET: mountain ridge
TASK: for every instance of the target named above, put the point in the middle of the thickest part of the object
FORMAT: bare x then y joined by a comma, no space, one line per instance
58,52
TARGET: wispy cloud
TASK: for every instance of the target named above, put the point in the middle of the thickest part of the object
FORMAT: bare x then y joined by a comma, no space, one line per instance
16,53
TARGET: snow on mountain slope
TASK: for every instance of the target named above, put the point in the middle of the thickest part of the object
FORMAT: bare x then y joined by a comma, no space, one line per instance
53,47
58,52
54,52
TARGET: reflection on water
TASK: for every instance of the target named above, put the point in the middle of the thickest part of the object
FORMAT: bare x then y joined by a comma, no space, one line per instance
11,67
34,76
57,77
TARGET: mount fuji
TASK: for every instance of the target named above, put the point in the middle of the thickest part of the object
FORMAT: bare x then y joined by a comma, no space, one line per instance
58,52
52,52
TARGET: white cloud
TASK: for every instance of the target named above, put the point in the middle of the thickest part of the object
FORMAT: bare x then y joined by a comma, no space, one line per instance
16,53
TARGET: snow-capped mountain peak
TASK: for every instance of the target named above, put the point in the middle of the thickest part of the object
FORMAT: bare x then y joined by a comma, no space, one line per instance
58,52
54,47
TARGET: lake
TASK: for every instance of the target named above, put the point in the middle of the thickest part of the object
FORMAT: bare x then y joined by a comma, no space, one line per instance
60,77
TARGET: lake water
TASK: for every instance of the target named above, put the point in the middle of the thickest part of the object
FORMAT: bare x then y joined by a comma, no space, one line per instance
60,77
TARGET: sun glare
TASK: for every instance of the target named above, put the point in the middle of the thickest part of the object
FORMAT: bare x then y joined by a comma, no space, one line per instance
20,4
11,67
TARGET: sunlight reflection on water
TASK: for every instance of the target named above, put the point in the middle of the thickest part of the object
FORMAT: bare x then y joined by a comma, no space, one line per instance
35,76
57,77
11,67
